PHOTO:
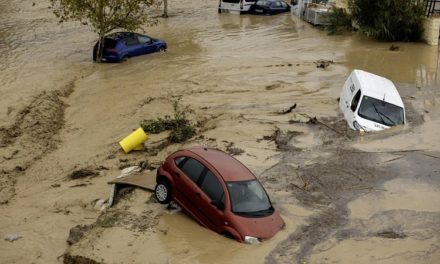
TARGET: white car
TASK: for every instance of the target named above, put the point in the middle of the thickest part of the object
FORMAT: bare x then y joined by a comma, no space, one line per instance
370,102
235,6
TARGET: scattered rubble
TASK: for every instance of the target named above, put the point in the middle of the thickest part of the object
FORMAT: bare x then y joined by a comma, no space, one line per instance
71,259
391,234
287,111
82,173
77,232
323,63
230,149
12,237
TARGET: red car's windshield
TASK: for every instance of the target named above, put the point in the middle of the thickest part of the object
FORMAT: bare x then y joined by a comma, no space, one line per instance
248,198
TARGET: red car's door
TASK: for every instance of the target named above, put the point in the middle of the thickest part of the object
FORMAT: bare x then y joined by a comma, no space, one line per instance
187,190
211,199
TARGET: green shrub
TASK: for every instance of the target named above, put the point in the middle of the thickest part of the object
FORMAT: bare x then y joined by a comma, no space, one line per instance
389,20
339,21
179,125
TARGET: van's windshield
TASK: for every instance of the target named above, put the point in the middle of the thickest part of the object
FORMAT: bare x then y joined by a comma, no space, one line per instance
380,111
248,198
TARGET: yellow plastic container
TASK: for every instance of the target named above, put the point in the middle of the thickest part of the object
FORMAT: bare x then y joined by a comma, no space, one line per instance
134,140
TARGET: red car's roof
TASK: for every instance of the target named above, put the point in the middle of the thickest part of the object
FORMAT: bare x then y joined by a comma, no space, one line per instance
229,168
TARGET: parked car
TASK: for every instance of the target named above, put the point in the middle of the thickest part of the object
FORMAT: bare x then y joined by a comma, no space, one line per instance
269,7
370,102
235,6
122,45
219,192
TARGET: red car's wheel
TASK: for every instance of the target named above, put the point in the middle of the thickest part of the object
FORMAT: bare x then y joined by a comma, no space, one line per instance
162,192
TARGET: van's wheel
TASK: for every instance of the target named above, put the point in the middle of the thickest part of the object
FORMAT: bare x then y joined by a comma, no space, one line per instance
162,192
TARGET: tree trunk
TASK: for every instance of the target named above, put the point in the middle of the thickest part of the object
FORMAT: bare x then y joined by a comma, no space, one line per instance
101,31
165,8
100,50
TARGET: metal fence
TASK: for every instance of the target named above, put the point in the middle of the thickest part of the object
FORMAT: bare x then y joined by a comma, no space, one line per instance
432,7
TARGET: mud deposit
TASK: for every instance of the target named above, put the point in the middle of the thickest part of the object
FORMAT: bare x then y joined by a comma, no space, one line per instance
256,92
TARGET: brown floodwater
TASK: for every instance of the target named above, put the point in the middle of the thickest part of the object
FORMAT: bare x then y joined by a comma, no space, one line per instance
236,72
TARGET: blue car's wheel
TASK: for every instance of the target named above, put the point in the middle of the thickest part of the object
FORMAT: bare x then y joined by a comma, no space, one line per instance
161,49
124,59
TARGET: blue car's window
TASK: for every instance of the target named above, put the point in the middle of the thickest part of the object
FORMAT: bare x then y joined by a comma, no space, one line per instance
144,39
263,3
109,43
130,41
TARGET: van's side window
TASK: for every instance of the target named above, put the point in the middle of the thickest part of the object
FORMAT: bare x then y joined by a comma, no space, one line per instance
355,101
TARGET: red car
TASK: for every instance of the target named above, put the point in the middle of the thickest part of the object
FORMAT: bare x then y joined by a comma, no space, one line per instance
219,192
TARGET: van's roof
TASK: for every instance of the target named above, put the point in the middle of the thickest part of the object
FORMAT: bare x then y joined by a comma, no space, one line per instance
378,87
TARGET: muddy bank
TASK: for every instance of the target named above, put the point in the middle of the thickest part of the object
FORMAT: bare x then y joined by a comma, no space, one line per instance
329,188
31,136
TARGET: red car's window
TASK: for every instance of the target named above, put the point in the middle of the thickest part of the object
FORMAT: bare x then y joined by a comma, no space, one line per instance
212,187
179,161
193,169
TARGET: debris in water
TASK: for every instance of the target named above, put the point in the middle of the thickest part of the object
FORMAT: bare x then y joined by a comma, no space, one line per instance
129,170
273,86
77,232
289,110
79,185
173,208
100,204
233,150
82,173
312,120
391,234
323,63
394,48
12,237
73,259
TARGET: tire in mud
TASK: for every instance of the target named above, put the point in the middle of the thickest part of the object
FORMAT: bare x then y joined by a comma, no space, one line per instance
162,192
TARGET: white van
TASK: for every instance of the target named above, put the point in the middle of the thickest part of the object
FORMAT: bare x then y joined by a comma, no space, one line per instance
371,102
235,6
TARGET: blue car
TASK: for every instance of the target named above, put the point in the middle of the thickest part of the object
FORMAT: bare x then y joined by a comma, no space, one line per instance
269,7
122,45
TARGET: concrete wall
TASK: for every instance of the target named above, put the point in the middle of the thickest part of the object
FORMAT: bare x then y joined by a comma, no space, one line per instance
432,30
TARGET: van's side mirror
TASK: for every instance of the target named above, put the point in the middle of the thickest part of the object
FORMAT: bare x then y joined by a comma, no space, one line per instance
219,205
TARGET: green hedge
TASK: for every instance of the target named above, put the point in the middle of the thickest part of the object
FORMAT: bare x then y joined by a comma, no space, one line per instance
389,20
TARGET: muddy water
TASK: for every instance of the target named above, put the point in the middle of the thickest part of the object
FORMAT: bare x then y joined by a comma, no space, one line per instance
236,72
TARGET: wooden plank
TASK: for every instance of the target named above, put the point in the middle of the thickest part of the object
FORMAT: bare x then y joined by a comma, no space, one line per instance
145,180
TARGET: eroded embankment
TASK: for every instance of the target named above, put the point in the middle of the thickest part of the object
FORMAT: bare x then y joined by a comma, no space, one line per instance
328,182
31,137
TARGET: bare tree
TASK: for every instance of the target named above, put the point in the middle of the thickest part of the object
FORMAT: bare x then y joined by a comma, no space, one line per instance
105,16
165,8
